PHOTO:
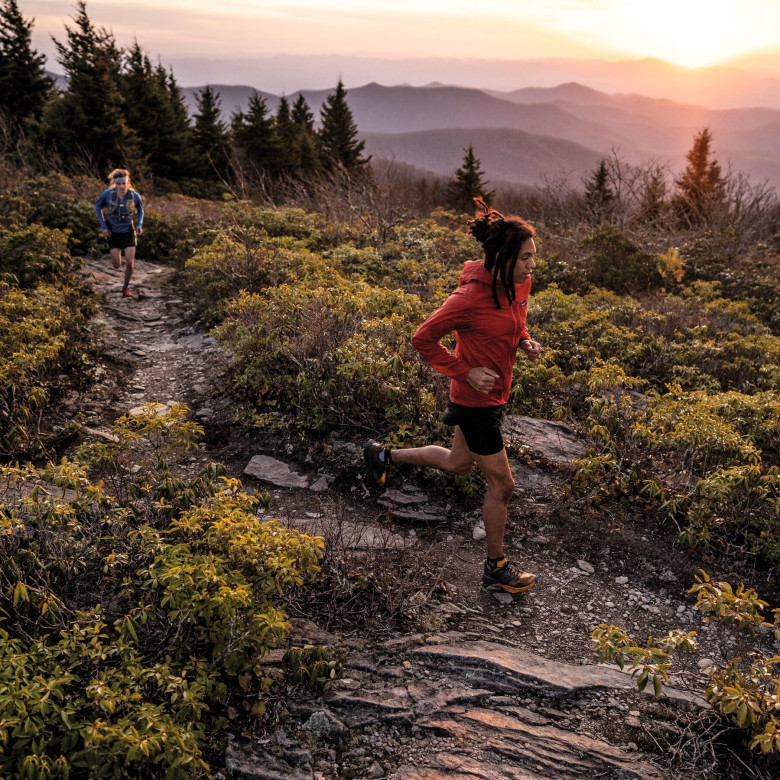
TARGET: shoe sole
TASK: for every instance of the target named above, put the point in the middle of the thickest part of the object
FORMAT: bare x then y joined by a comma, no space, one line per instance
495,586
370,471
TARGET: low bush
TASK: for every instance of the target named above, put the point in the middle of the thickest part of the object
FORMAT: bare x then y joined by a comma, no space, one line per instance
332,356
134,607
40,330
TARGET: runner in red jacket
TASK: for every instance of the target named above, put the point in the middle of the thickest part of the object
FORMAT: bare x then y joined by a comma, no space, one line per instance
487,314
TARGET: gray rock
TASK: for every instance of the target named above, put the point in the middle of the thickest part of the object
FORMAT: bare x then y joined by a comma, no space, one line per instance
586,567
552,440
502,598
621,580
250,762
326,725
478,533
399,498
275,471
320,485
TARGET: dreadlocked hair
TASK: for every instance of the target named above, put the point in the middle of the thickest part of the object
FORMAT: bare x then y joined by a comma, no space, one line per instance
501,238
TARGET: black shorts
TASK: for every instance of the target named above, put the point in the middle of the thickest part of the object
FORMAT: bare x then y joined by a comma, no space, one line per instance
122,240
481,426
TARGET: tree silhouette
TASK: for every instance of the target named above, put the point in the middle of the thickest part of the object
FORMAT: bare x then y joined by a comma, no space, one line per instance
598,194
255,140
338,134
306,144
88,123
24,85
210,140
468,184
701,189
154,109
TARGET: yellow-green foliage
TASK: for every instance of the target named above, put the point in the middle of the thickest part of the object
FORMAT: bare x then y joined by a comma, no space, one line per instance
133,607
247,258
747,692
33,254
327,356
36,327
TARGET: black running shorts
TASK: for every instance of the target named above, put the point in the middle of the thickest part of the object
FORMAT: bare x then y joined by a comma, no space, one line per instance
122,240
481,426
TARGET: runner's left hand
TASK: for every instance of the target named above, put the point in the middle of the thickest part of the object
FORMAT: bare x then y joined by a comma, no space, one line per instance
532,349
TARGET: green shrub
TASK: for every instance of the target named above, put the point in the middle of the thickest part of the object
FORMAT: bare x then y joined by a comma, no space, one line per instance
38,332
247,258
135,607
331,356
33,254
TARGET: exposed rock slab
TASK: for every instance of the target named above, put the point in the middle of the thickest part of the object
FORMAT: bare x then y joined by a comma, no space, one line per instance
275,471
352,536
248,762
553,440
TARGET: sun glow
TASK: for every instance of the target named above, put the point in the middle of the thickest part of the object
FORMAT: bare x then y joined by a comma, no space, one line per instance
692,33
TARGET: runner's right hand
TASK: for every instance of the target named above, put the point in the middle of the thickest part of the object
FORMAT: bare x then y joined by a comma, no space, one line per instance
482,379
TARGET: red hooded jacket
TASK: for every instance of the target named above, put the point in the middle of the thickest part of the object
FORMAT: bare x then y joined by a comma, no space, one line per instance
484,335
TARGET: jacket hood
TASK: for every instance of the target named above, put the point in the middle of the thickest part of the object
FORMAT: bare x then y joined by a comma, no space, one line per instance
475,271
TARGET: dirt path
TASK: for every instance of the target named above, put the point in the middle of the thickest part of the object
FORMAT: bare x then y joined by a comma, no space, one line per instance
490,688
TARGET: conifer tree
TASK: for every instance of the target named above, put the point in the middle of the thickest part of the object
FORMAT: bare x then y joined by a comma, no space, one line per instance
306,143
701,189
285,132
88,124
24,85
210,139
338,134
255,140
155,111
468,184
598,194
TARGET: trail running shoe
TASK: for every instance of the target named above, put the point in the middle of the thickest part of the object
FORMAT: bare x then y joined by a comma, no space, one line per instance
376,469
507,575
126,292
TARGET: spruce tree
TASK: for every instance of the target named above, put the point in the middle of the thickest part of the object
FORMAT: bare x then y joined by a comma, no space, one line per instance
468,184
701,189
306,143
148,111
24,85
255,141
598,194
210,139
285,132
338,134
88,124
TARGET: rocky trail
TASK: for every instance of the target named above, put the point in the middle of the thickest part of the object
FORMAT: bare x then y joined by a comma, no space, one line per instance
486,686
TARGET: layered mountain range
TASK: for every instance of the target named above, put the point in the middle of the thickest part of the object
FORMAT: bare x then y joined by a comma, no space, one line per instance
527,135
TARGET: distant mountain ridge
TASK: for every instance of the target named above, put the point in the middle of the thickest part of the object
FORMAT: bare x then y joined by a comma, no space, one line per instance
407,123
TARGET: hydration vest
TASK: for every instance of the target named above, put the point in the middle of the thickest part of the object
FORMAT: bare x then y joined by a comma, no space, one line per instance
114,204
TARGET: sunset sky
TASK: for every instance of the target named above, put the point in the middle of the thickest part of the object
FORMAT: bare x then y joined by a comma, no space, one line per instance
693,33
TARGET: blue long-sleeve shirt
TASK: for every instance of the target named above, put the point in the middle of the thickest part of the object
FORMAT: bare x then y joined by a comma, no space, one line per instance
119,213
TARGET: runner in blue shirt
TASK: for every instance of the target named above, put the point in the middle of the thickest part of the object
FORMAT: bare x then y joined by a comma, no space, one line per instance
120,213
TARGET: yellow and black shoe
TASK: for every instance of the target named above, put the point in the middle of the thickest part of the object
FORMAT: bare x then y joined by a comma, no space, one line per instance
376,468
508,576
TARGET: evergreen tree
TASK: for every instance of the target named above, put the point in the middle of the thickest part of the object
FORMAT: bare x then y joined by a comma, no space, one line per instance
155,111
701,190
306,143
24,85
88,124
468,184
255,141
285,132
598,194
210,140
654,194
338,134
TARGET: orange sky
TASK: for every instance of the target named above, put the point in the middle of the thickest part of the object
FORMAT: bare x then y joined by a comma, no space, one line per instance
686,32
